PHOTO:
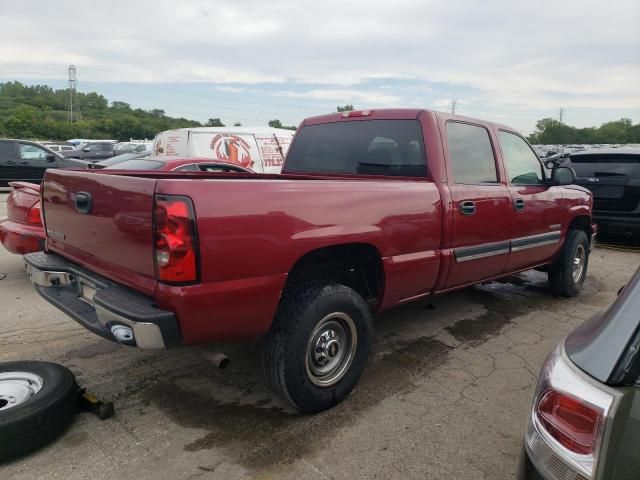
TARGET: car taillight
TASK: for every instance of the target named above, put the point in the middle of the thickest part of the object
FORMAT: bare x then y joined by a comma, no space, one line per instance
573,423
568,420
176,240
34,214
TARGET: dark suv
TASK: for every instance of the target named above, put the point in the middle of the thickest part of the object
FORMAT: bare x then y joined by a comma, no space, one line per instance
21,160
613,175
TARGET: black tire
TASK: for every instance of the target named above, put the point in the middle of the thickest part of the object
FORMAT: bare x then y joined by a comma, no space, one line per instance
561,278
42,417
286,353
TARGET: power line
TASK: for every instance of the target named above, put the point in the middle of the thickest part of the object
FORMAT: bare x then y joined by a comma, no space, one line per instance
73,95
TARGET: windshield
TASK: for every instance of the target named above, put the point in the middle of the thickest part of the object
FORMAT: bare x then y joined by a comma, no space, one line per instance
364,147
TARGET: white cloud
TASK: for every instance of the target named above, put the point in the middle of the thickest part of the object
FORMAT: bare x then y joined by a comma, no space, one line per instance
516,54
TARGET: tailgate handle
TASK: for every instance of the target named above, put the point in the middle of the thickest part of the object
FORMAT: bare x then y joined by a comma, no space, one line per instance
83,202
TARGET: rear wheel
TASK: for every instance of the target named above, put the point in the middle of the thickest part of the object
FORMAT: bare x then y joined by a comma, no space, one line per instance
568,271
318,345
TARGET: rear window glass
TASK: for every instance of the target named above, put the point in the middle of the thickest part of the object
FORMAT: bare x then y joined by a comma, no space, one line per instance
137,164
364,147
603,164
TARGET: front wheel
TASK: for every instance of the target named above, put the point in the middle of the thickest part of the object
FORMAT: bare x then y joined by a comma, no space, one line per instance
318,345
568,271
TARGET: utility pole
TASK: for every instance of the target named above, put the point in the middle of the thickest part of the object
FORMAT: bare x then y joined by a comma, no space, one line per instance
454,104
561,114
73,94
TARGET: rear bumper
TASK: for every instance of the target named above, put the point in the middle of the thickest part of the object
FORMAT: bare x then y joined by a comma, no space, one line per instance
20,238
99,304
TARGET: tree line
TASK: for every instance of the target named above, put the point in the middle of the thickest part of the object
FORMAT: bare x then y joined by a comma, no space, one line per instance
40,112
550,131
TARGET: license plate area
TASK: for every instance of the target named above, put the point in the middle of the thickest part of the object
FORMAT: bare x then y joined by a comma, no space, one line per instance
87,291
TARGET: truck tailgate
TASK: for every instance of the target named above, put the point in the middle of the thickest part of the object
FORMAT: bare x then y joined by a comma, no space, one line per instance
102,222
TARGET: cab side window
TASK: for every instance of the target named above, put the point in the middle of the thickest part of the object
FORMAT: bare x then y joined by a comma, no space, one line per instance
472,159
523,167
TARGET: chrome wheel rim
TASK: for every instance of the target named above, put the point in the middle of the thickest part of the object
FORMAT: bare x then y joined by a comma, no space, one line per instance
18,387
578,263
331,349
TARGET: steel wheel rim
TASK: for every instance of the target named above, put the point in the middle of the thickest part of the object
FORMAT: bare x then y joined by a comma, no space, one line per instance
578,263
18,387
331,349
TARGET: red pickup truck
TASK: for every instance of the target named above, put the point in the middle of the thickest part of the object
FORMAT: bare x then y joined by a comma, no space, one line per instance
373,209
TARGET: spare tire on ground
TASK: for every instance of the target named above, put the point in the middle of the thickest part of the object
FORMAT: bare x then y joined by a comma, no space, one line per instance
38,401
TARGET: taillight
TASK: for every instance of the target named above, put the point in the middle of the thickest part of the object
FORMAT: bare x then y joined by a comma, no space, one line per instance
568,420
175,239
572,422
34,214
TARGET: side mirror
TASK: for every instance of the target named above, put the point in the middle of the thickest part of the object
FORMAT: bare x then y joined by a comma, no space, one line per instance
563,176
50,158
86,149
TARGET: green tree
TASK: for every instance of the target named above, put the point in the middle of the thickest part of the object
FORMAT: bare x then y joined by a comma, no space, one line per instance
214,122
275,123
237,124
344,108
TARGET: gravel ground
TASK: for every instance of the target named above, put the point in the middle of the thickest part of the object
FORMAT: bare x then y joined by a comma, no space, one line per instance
445,394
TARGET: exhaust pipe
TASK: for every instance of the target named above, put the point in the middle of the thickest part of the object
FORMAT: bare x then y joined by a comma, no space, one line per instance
219,359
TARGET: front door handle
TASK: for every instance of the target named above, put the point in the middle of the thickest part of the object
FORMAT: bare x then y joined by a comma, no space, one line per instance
518,204
10,162
467,207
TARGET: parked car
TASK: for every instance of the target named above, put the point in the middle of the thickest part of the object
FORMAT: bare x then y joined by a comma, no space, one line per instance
613,175
56,147
133,147
373,209
179,165
119,159
262,149
584,422
79,141
21,160
21,231
92,151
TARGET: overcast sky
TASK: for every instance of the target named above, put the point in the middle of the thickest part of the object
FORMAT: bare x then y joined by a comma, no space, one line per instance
250,61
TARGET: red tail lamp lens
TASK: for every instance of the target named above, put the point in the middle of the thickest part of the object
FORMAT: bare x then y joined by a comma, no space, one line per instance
34,214
572,422
175,240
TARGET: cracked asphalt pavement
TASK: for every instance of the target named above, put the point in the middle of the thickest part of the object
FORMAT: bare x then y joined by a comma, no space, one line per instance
445,394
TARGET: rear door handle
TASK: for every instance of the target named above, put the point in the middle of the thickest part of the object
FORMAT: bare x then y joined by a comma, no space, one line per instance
24,163
83,202
518,204
467,207
10,162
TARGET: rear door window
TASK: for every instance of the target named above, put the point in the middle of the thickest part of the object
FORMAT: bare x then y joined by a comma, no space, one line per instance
7,152
523,167
471,154
363,147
